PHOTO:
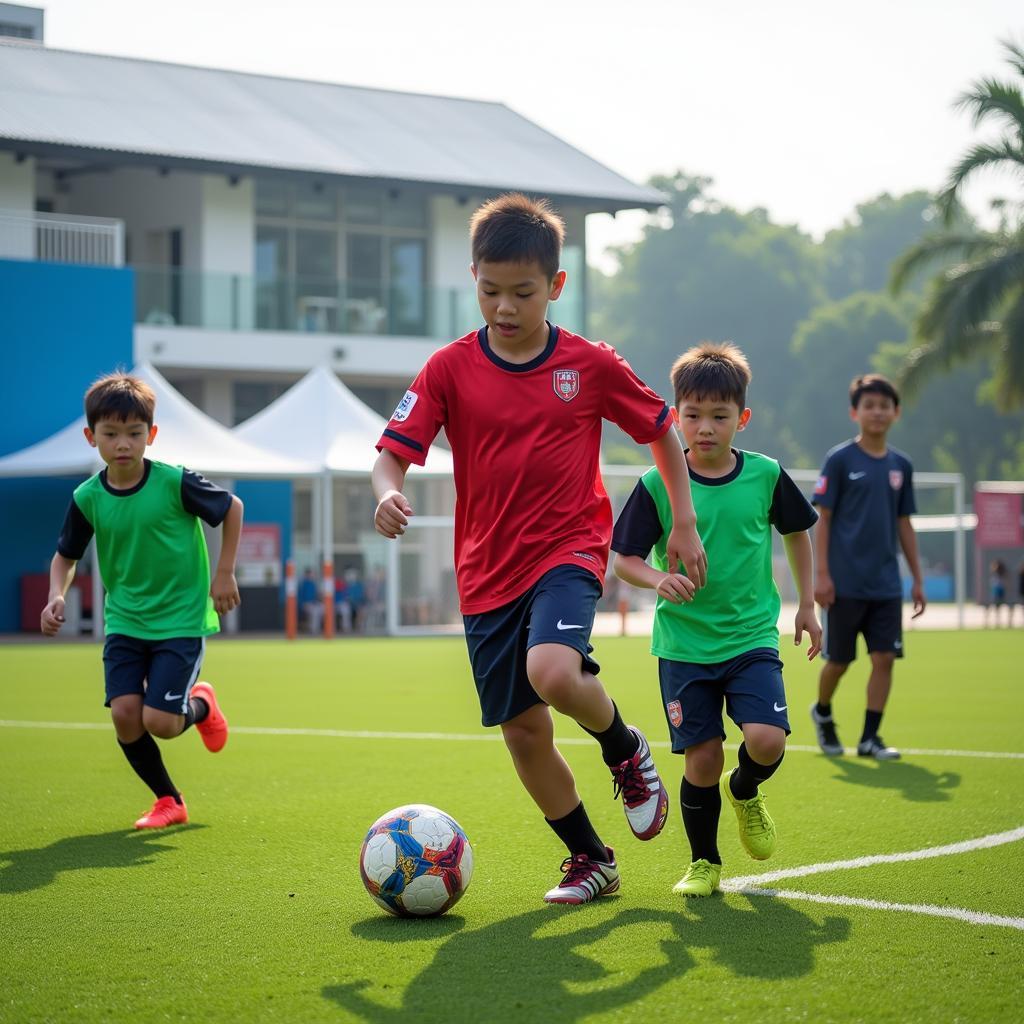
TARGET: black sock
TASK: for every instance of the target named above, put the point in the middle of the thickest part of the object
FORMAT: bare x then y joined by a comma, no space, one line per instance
578,834
872,720
618,741
824,710
749,775
144,757
702,807
197,711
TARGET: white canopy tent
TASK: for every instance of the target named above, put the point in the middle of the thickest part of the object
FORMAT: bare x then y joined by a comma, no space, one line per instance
321,420
186,437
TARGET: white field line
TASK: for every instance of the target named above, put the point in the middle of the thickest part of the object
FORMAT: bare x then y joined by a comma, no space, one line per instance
959,913
753,885
964,846
474,737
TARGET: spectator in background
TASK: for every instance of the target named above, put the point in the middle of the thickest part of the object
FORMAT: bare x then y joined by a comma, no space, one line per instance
375,619
997,580
311,608
1020,591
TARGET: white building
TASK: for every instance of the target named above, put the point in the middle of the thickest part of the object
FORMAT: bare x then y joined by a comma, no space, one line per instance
274,224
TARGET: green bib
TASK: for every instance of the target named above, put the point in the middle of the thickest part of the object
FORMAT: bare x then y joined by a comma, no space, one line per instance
738,610
152,556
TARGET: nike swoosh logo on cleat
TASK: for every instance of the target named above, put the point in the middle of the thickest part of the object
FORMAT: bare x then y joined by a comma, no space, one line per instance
173,696
568,625
777,708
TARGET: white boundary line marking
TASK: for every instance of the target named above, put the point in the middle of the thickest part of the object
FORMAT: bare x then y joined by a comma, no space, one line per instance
484,737
960,914
752,885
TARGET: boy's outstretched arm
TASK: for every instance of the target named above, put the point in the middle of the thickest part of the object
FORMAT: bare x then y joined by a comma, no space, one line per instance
801,563
393,508
224,587
908,541
62,572
824,588
673,586
684,545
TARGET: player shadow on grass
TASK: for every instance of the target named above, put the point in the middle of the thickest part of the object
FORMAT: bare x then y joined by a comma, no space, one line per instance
914,781
25,870
537,967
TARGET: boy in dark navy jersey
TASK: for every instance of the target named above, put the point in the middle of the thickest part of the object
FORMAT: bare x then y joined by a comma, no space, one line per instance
161,604
723,648
522,403
865,496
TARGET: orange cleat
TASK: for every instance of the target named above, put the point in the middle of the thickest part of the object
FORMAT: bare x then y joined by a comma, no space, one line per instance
214,728
166,811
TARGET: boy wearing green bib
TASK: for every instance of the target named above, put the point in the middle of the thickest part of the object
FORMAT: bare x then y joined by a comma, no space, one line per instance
721,644
160,604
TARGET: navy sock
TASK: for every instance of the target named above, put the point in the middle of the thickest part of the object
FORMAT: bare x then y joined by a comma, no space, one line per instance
144,757
749,775
872,720
824,710
576,831
702,807
618,742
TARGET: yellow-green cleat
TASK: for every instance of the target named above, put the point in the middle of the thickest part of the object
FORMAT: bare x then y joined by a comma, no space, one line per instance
701,879
757,830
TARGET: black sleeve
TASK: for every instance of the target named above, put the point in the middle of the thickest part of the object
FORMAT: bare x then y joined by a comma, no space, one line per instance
75,534
203,499
638,527
791,512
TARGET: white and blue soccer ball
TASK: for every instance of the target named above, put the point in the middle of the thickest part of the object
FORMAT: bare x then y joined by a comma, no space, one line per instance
416,861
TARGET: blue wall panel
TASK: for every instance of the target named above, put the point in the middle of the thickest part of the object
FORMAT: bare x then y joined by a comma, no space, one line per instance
61,327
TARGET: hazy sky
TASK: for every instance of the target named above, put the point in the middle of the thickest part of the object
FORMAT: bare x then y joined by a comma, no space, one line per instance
804,107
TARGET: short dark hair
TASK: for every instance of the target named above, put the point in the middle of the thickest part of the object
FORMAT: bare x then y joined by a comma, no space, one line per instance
872,384
712,370
513,228
119,396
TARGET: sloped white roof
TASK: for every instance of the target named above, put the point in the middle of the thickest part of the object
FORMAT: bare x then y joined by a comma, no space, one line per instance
186,437
60,101
320,420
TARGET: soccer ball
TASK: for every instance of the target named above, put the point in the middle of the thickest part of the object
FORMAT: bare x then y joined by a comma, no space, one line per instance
416,861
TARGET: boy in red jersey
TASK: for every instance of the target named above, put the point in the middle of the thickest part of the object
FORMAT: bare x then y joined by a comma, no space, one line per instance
522,403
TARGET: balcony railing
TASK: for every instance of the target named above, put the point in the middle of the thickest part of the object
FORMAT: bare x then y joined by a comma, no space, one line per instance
61,238
166,295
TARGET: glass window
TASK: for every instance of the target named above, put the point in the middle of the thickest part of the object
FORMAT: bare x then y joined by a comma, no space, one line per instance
365,307
271,251
273,198
316,201
316,254
407,292
405,209
252,396
362,205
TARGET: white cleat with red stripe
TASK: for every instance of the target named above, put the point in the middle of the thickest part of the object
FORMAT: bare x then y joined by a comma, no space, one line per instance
644,797
585,879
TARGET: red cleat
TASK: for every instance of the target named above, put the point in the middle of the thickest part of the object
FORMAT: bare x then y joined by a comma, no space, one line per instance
166,811
214,728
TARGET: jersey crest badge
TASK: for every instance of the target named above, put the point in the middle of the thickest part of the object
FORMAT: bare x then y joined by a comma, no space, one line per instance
675,713
895,479
405,407
566,384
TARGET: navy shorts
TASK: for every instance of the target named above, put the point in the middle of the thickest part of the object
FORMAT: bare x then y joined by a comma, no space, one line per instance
750,685
558,609
162,672
881,622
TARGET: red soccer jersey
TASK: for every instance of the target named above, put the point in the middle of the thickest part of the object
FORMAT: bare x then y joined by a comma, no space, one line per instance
526,441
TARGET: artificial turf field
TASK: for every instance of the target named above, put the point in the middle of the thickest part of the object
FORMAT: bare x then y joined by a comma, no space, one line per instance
255,911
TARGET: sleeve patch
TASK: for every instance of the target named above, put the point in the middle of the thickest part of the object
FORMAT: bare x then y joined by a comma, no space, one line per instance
405,407
822,485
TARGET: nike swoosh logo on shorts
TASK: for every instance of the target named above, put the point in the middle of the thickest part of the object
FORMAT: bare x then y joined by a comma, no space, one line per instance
173,696
568,625
777,708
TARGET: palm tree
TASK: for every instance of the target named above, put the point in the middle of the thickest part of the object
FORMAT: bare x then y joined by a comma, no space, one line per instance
975,305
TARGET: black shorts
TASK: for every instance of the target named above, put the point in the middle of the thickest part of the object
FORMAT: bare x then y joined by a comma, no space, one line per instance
881,622
162,672
750,685
558,609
